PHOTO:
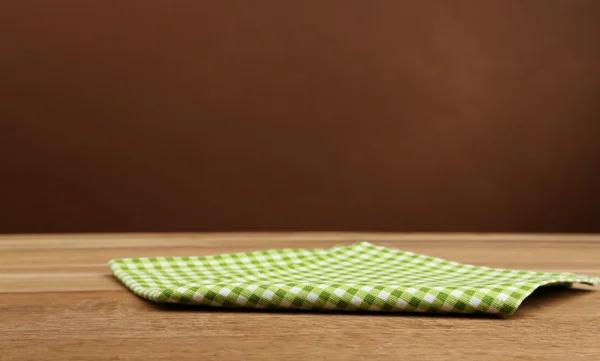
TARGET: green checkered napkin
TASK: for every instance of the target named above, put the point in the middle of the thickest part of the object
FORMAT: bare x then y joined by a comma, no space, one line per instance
362,276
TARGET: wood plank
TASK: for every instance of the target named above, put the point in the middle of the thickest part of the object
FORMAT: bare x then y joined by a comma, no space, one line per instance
552,325
58,241
69,307
480,252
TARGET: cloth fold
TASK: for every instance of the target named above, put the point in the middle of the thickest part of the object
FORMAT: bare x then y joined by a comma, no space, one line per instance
362,276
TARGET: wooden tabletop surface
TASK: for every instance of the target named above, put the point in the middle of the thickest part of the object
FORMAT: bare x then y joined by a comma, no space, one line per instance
59,301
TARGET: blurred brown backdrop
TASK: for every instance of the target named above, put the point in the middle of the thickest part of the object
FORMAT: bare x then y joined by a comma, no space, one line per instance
148,115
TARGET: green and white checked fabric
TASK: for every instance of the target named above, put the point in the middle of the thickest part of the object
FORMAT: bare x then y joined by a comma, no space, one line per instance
362,276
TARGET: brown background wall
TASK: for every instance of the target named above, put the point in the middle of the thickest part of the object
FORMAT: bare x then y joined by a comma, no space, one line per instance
299,115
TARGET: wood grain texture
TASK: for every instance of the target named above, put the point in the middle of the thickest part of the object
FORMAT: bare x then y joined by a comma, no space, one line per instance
68,306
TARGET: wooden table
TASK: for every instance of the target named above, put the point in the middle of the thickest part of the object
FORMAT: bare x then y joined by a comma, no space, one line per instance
59,301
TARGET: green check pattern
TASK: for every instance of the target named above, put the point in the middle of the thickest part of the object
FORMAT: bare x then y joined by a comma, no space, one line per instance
361,276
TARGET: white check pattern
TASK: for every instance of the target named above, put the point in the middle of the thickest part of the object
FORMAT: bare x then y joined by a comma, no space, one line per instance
362,276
